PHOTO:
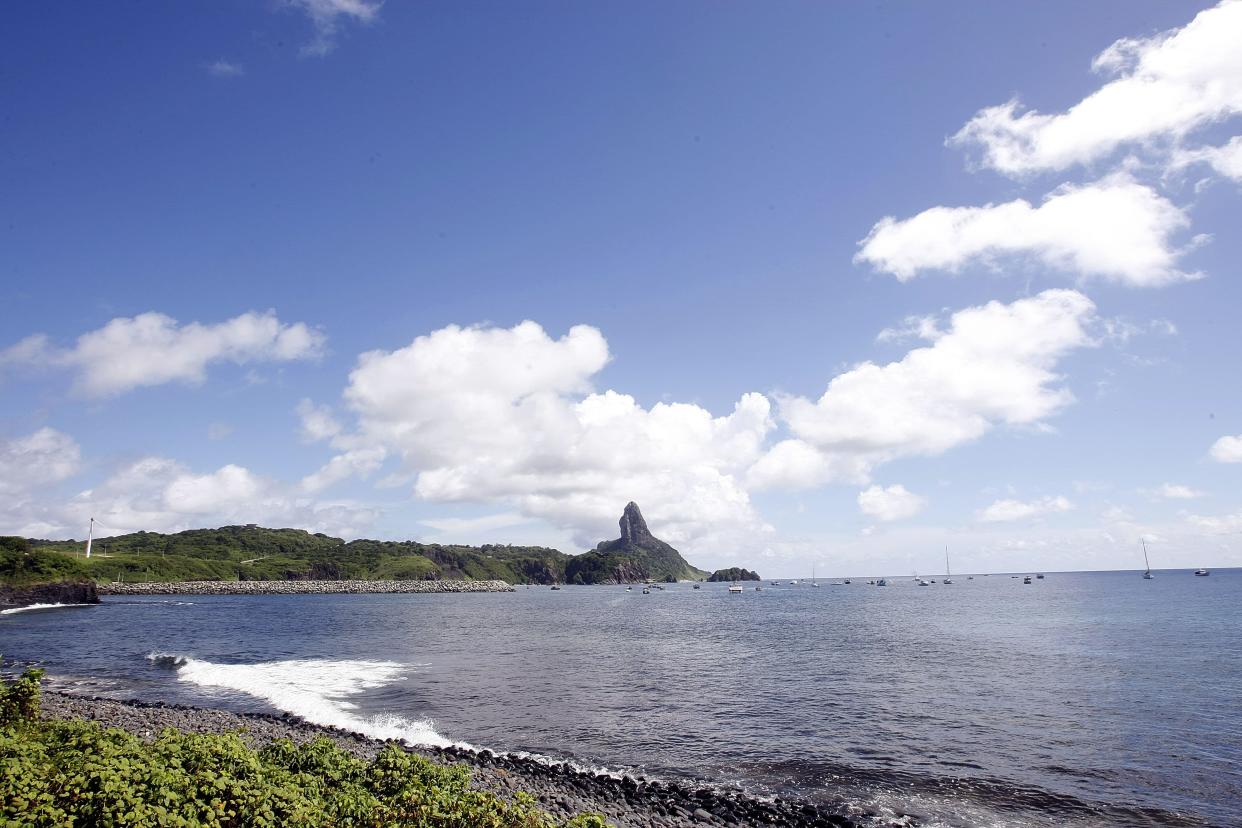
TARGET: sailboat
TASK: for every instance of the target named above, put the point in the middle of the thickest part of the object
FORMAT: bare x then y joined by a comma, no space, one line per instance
1147,574
814,582
735,587
947,579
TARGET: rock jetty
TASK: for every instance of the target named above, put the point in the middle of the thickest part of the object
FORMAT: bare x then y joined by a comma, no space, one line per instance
299,587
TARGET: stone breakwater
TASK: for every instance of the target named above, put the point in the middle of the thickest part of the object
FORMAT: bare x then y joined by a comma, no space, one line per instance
299,587
561,789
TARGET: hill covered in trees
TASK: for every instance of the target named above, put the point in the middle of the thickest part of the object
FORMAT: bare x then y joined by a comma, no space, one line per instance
254,553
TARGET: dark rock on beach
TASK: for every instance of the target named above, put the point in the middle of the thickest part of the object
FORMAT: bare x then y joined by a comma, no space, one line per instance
561,789
58,592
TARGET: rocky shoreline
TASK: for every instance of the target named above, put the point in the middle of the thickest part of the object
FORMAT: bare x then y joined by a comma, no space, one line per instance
299,587
561,789
55,592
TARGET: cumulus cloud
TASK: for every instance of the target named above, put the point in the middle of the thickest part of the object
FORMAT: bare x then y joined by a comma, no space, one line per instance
1007,510
1227,449
327,15
993,365
1162,88
891,503
38,459
318,422
153,349
1225,160
510,415
162,495
1115,229
225,69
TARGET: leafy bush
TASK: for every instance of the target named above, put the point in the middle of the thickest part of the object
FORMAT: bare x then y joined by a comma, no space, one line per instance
78,773
22,564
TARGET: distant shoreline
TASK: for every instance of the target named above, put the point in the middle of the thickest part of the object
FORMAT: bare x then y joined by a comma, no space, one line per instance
298,587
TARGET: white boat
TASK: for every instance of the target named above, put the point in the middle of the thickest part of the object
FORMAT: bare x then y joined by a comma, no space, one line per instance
1147,574
1203,572
923,583
793,583
735,587
947,579
1027,579
814,582
881,582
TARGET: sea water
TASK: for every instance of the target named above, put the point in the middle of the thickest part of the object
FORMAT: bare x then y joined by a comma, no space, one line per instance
1080,699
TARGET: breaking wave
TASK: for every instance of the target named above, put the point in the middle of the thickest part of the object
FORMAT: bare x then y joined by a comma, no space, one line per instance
316,690
29,607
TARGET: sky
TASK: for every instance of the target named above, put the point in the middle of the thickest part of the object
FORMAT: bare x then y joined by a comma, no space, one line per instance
817,285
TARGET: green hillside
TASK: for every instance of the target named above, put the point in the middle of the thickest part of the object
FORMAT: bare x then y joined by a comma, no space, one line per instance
253,553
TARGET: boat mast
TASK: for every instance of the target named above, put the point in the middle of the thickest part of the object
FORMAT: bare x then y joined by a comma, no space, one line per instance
946,562
90,536
1144,540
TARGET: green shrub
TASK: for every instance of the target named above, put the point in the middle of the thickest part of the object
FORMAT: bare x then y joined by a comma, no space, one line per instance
79,773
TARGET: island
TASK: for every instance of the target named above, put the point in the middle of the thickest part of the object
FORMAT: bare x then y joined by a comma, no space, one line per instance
734,573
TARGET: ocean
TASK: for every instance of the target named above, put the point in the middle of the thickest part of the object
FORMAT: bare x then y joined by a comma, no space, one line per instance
1089,699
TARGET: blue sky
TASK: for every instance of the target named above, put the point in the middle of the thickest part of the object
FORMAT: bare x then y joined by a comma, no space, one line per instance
700,186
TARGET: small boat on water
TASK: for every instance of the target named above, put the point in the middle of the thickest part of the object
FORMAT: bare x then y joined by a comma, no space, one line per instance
947,575
923,583
1027,579
1039,577
881,582
696,586
759,589
735,587
629,589
1147,574
555,587
793,583
646,591
1202,573
847,580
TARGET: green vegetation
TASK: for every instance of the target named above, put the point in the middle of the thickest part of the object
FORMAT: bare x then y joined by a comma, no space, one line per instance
55,773
253,553
734,573
21,564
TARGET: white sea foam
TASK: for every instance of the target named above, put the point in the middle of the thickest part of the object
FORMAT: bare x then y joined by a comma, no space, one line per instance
30,607
317,690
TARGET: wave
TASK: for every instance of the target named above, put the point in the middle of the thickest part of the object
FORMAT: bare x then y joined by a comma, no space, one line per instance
316,690
29,607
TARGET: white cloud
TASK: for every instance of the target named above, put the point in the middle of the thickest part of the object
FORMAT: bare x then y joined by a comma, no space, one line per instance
1176,491
360,462
888,504
318,422
993,365
326,16
38,459
225,69
1225,160
219,431
1227,449
1164,88
1007,510
153,349
1114,229
161,495
509,416
470,526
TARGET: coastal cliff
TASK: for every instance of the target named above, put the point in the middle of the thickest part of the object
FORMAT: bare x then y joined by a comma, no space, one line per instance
57,592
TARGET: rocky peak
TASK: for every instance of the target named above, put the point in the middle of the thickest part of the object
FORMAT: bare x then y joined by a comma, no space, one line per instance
633,528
